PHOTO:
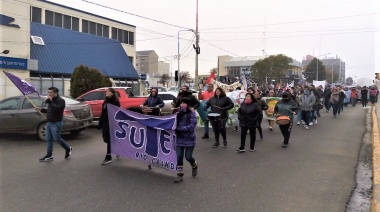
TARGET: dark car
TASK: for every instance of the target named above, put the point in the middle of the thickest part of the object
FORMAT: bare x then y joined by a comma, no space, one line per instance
17,115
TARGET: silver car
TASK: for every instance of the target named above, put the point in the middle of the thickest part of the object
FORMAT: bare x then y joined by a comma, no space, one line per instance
17,115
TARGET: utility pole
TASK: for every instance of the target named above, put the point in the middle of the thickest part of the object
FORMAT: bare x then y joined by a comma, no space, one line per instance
197,50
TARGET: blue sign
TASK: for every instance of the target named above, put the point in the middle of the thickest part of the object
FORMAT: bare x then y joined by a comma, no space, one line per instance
143,76
13,63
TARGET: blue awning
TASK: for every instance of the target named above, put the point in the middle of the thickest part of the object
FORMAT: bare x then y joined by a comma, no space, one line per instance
65,49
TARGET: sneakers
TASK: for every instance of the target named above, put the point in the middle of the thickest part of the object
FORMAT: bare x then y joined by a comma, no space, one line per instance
306,127
271,128
311,123
285,146
316,122
252,150
240,150
149,167
178,179
261,136
215,145
46,158
106,161
225,144
298,123
68,152
194,171
205,136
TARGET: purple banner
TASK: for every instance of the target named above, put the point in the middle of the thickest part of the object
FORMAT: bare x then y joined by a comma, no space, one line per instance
150,139
24,86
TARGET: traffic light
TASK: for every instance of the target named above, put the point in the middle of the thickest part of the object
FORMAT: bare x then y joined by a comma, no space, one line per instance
176,76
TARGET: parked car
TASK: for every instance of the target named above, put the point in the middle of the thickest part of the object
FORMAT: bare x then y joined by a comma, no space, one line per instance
167,98
95,99
18,115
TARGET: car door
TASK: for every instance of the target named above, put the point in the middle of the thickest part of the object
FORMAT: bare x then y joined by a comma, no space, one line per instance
8,111
167,99
27,117
95,100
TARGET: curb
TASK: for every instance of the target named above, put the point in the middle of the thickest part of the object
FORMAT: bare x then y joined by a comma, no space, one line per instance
375,162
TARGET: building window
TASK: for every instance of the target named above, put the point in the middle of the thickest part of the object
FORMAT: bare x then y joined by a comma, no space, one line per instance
99,29
58,20
131,38
49,18
92,28
67,22
125,36
75,24
114,33
131,59
120,35
85,26
36,15
106,31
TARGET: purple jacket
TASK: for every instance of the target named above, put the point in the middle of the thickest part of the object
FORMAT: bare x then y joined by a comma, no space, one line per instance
186,123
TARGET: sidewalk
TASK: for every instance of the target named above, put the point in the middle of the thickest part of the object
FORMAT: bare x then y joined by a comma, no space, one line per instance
376,158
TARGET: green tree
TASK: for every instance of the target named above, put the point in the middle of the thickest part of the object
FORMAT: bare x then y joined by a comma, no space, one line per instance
311,71
164,79
349,81
271,68
85,79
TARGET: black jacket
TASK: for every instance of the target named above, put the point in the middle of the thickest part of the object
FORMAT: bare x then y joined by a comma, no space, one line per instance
223,104
264,106
194,103
153,101
249,115
103,120
54,111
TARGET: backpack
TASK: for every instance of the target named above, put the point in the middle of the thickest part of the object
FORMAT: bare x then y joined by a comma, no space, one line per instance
373,92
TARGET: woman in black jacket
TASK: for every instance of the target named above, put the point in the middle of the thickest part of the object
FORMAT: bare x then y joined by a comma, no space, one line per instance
249,115
153,101
111,98
264,106
220,104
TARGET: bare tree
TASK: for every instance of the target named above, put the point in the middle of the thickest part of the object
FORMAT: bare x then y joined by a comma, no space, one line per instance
164,79
184,77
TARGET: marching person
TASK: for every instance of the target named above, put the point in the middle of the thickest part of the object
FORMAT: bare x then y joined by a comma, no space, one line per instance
54,115
153,101
220,104
354,96
364,93
205,96
335,100
103,124
264,106
185,92
286,107
306,103
186,139
249,115
327,96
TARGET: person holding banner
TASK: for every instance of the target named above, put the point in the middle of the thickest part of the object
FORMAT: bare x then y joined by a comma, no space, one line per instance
54,115
249,114
286,107
153,101
205,96
220,104
186,139
103,124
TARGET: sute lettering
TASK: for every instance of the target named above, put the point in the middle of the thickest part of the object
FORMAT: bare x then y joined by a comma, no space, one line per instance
164,138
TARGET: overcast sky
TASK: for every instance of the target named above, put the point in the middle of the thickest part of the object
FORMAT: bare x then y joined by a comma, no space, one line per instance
345,28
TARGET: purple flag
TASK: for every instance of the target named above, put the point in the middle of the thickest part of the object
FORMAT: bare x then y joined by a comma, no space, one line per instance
150,139
24,86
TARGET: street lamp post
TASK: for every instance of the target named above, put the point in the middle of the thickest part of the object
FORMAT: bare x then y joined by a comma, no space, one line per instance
317,63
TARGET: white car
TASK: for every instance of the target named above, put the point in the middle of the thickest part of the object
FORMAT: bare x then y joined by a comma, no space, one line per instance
168,98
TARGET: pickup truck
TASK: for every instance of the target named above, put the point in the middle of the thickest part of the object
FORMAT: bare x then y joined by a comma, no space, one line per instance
95,99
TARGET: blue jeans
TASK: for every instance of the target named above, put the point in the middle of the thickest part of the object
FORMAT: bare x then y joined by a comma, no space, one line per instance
306,116
53,132
207,122
299,115
187,152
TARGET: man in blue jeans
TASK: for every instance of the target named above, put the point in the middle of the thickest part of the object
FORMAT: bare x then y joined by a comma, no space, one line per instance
54,115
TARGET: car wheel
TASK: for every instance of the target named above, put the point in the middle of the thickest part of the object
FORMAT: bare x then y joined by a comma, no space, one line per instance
75,132
41,131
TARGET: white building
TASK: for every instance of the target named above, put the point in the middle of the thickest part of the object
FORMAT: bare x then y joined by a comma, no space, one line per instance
54,39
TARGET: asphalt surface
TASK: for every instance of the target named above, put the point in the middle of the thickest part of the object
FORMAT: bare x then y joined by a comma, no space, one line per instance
315,173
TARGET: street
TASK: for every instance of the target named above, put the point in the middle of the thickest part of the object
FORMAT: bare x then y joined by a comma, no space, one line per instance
315,173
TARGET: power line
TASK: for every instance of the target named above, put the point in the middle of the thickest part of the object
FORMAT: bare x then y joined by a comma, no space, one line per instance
139,16
218,47
291,22
260,32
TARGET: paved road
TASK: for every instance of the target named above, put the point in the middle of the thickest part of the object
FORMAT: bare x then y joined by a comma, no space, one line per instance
316,173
